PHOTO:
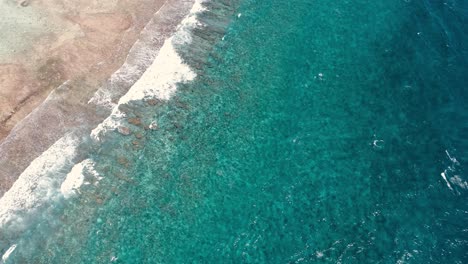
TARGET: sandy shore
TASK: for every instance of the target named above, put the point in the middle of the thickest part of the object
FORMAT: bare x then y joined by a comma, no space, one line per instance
108,51
62,40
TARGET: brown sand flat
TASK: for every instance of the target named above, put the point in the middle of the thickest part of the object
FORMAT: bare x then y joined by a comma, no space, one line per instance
96,34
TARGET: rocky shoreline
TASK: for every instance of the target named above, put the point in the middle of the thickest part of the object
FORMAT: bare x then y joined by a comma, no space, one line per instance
68,107
86,40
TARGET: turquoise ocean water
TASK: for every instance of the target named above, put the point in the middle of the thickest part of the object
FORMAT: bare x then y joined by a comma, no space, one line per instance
315,132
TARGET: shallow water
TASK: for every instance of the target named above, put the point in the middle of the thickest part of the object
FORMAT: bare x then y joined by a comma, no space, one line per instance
25,28
27,23
315,132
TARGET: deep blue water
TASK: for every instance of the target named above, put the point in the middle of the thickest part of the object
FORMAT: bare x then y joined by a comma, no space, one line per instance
315,132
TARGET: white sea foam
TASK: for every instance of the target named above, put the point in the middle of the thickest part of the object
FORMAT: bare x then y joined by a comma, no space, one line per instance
110,123
124,74
53,176
452,159
168,69
458,181
162,76
141,52
76,177
36,186
8,253
455,180
444,176
183,34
